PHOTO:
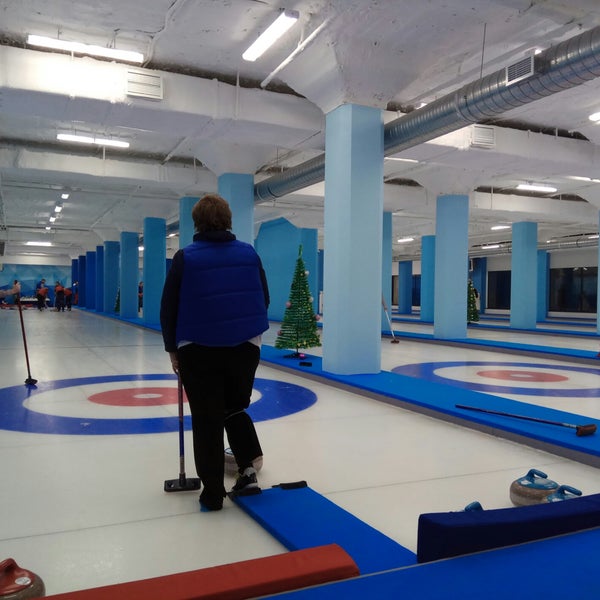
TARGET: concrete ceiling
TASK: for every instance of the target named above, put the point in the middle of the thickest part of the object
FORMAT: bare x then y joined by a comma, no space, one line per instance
216,117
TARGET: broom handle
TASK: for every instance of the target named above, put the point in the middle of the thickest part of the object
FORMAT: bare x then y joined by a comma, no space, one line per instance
24,338
181,448
504,414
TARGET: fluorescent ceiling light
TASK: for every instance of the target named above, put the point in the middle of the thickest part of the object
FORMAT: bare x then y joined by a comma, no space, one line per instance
593,237
86,139
490,247
65,196
58,208
52,219
404,240
271,34
114,143
38,243
536,187
594,117
408,160
79,48
140,248
499,227
48,228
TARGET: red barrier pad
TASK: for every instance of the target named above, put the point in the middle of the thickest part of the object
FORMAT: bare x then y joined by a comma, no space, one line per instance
234,581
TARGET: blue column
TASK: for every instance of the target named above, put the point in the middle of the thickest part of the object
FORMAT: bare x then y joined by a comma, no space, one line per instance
309,238
353,230
82,278
479,277
238,190
74,272
543,281
386,267
451,266
128,279
155,256
186,224
523,281
427,277
100,279
405,287
111,275
90,280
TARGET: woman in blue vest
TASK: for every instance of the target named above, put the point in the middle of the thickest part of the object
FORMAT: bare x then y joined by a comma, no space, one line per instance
213,312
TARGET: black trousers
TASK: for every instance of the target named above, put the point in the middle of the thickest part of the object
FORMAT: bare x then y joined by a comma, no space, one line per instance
218,383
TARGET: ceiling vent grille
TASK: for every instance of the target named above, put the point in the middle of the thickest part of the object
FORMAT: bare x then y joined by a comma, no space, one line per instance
144,84
483,137
520,70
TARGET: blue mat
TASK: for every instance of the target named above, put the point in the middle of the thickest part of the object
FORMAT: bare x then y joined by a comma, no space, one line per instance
561,567
301,518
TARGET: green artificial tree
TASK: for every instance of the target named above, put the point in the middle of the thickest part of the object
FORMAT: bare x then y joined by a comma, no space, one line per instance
472,312
299,326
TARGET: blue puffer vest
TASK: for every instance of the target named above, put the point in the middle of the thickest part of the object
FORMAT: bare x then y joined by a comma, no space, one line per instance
221,302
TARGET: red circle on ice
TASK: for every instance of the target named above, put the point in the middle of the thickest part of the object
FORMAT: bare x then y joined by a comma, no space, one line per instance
145,396
530,376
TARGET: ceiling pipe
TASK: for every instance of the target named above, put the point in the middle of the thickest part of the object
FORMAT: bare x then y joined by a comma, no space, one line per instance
564,66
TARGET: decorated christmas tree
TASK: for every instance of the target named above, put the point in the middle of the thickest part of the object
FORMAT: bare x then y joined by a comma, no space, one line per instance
472,312
299,326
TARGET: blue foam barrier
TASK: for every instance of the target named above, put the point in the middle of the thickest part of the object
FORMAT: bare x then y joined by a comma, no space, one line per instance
302,518
442,535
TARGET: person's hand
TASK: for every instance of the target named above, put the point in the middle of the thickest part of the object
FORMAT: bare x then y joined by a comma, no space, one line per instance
174,361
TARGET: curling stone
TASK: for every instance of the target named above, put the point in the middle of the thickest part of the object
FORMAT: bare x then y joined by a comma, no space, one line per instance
17,583
532,488
473,507
564,492
231,467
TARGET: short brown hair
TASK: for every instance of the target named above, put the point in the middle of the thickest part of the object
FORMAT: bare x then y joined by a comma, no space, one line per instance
211,213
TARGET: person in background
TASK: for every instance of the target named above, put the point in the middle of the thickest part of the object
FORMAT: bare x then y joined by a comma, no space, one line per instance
140,295
41,293
59,297
14,290
68,298
213,312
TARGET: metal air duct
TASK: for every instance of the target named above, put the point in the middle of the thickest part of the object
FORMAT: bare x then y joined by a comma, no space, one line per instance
564,66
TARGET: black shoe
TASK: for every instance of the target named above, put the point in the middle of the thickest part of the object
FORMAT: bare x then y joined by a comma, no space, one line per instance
210,501
246,483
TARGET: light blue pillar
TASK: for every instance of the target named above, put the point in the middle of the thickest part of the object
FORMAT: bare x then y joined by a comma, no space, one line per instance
451,266
386,268
427,277
128,274
353,230
598,293
186,223
238,190
100,278
405,287
309,238
523,281
111,275
90,280
155,256
82,279
479,277
543,283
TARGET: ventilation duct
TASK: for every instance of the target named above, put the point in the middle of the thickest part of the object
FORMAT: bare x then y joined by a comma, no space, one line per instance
566,65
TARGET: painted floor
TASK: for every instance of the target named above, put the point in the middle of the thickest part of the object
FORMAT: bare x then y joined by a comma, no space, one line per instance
85,454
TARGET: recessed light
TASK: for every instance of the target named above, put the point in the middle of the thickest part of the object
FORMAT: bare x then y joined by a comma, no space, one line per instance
536,187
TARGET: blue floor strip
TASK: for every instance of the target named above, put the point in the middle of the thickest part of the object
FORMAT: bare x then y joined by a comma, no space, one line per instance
301,518
561,567
442,399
